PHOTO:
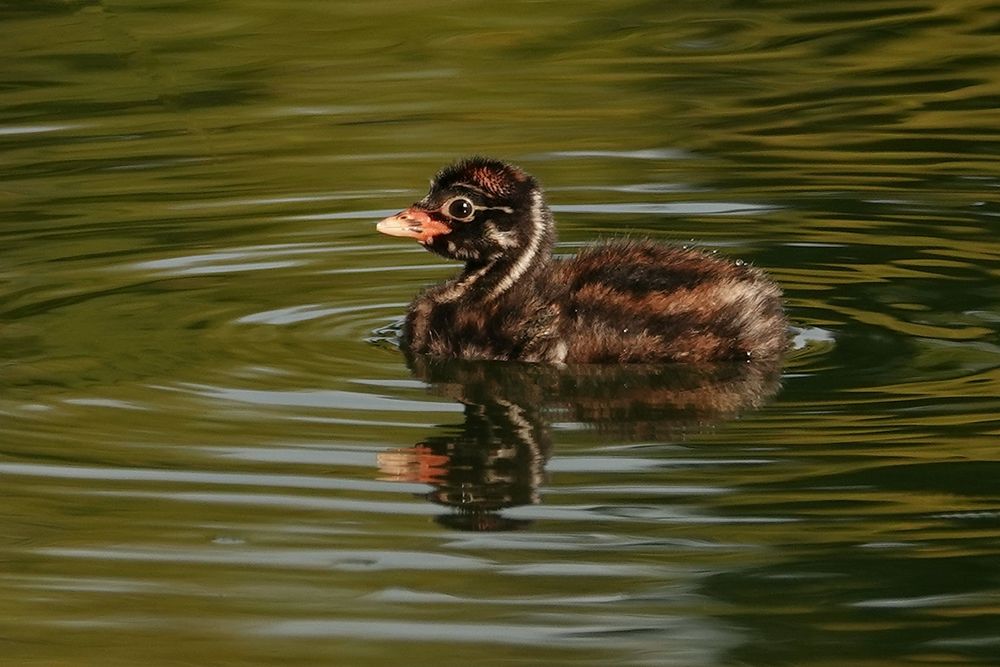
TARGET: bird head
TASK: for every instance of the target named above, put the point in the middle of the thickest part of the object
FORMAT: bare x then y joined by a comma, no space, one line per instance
477,210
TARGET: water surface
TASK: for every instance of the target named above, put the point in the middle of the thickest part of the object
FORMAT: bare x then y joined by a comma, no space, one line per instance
212,452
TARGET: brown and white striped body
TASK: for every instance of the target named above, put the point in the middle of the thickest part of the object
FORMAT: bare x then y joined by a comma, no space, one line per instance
616,302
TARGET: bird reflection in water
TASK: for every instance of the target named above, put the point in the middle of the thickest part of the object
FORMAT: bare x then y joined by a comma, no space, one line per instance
496,458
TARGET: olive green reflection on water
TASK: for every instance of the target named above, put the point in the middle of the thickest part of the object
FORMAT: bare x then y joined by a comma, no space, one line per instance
211,449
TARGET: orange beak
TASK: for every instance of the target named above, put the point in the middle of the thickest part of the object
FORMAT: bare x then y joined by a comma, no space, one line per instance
413,223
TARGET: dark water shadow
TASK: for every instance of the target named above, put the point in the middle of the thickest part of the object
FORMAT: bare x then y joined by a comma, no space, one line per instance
495,459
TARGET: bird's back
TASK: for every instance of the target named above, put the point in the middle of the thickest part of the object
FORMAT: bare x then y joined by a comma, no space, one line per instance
634,301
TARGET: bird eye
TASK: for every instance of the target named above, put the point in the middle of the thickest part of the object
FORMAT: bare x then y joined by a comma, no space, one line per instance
460,208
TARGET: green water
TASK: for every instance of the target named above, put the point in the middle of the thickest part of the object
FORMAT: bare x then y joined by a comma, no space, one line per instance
212,453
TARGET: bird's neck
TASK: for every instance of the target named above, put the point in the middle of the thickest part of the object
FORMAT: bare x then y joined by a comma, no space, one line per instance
490,279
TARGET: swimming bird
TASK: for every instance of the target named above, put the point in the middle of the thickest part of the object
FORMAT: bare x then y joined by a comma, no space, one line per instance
619,301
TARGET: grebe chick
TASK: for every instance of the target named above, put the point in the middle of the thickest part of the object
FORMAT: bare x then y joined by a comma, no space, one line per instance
615,302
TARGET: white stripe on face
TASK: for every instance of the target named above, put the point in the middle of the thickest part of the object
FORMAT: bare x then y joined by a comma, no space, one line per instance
538,224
